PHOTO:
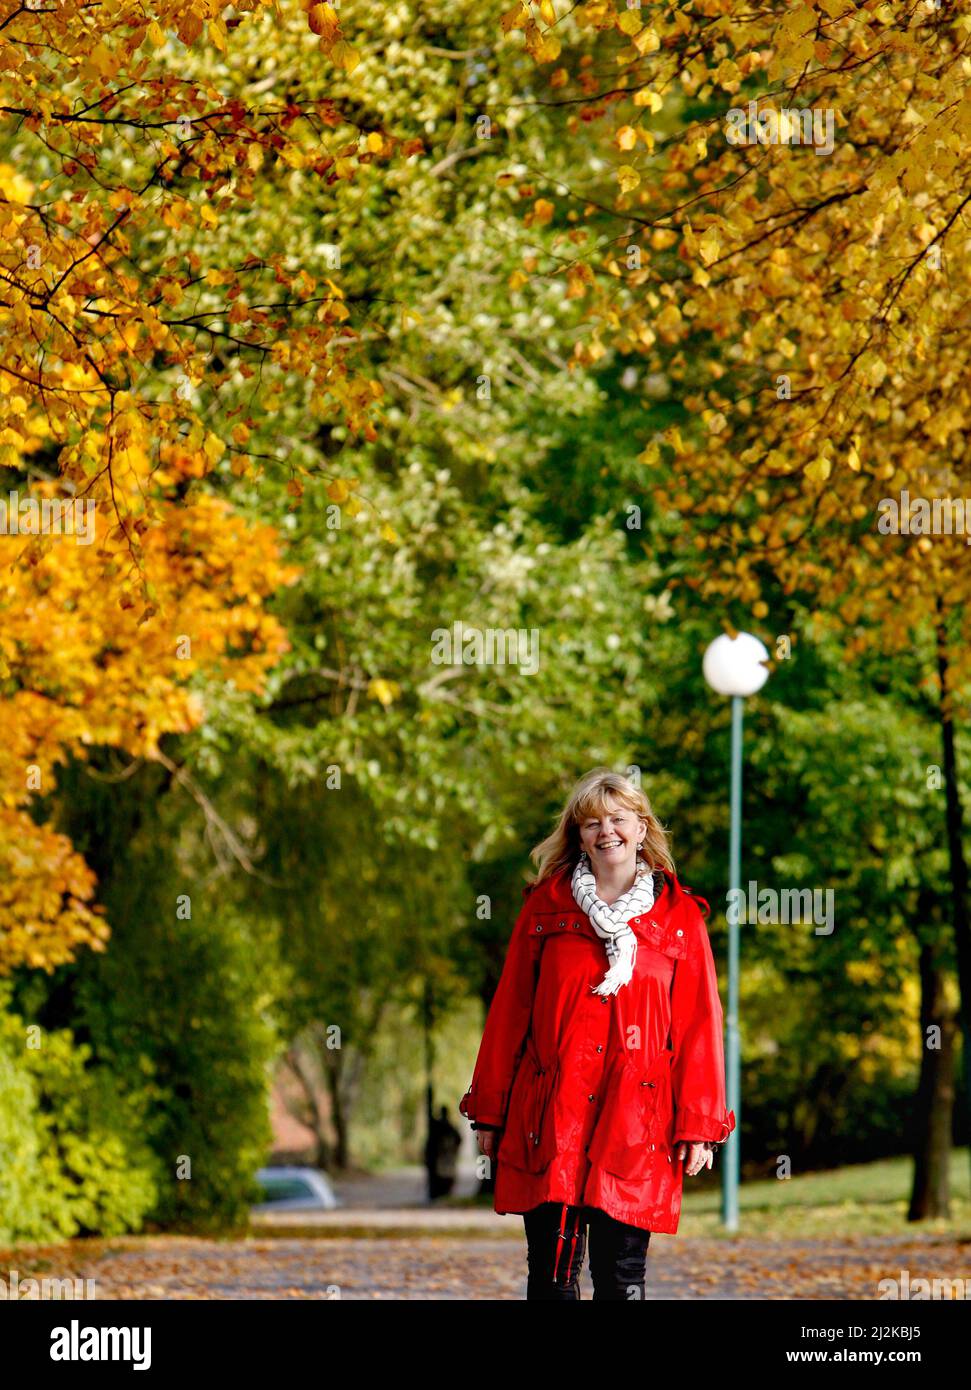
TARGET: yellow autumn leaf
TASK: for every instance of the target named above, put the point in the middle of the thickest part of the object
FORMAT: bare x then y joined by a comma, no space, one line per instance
819,470
545,48
322,19
627,137
102,61
646,41
698,149
628,178
649,98
189,27
389,534
728,75
345,56
709,247
213,448
669,319
385,692
338,491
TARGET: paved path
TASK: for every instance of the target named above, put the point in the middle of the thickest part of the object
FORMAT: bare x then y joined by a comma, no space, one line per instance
406,1186
440,1267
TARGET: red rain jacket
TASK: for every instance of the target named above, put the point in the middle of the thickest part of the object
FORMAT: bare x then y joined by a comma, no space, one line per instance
593,1093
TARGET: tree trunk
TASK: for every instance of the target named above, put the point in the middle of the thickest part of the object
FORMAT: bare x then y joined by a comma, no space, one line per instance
332,1071
930,1196
955,844
313,1116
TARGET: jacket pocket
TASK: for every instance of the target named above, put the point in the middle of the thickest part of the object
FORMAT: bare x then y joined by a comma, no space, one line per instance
668,938
635,1126
529,1138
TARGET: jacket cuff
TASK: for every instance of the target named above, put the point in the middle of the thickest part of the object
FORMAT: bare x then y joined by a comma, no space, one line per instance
485,1107
693,1127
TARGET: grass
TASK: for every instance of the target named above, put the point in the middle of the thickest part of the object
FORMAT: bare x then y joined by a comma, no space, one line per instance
863,1199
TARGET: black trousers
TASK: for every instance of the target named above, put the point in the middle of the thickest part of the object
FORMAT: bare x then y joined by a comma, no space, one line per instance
556,1241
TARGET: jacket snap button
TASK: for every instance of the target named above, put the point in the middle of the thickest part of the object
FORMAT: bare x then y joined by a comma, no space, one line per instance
591,1097
669,1158
652,1148
562,924
540,927
530,1134
679,932
576,926
600,1047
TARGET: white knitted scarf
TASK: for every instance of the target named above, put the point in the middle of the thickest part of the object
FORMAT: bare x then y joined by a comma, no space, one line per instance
610,921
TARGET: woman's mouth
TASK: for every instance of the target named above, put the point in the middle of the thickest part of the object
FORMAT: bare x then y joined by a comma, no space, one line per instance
610,844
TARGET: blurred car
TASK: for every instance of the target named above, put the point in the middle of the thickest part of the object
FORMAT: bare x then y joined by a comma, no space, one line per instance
295,1189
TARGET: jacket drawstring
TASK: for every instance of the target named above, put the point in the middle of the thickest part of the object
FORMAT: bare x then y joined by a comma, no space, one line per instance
573,1246
562,1237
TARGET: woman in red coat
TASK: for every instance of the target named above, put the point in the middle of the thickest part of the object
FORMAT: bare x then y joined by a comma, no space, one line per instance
600,1079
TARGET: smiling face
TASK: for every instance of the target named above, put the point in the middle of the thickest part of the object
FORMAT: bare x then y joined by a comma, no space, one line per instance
611,836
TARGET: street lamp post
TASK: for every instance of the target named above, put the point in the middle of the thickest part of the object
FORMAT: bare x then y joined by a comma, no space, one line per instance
734,666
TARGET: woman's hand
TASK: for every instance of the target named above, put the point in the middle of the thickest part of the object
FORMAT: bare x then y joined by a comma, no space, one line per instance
487,1140
699,1156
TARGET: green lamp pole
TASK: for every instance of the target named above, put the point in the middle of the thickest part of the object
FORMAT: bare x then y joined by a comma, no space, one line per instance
734,666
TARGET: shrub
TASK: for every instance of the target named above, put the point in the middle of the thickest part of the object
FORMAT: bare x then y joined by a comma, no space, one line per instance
72,1157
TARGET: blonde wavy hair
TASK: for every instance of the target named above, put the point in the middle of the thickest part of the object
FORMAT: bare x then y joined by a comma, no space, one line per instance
560,851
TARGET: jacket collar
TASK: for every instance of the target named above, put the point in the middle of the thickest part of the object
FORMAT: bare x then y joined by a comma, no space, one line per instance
554,894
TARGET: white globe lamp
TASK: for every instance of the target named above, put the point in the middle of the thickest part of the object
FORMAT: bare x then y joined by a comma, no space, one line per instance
735,665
